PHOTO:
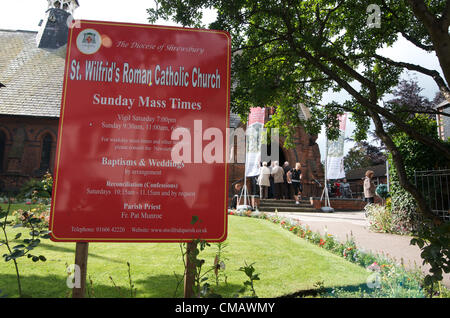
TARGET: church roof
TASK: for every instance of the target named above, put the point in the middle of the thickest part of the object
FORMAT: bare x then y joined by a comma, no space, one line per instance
445,103
359,173
33,77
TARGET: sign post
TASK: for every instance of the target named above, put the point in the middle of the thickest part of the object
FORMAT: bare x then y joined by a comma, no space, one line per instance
189,275
141,137
81,258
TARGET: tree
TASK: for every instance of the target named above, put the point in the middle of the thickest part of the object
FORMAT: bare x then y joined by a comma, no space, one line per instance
434,18
438,98
434,241
409,101
363,155
291,52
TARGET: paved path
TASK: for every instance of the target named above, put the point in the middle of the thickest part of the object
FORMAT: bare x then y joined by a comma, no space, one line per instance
344,224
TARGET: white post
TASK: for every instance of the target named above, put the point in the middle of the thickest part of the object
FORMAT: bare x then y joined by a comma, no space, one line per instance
387,174
325,188
244,188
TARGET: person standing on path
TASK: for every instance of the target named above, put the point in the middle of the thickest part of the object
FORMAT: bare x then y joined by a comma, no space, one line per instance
346,191
369,187
278,180
272,185
263,181
287,181
296,176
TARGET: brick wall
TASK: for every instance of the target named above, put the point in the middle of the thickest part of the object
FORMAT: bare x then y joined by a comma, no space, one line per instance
24,135
340,204
23,148
306,151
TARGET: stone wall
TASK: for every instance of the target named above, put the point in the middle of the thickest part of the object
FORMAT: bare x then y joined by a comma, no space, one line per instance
340,204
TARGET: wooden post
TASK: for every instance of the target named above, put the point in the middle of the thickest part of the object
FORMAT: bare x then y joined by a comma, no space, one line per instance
189,276
81,258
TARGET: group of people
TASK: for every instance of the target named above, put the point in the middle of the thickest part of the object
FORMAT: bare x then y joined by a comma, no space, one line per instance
286,182
283,182
339,189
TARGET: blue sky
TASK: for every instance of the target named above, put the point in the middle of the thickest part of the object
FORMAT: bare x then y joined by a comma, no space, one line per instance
26,14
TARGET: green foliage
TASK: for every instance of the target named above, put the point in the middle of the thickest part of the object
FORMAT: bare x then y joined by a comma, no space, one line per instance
380,218
387,282
391,279
153,265
130,281
434,241
356,158
382,191
430,237
289,54
202,287
406,219
194,219
249,271
35,219
39,211
29,244
131,288
219,262
417,157
38,189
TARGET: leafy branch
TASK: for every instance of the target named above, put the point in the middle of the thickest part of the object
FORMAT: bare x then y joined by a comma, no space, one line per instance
249,270
29,244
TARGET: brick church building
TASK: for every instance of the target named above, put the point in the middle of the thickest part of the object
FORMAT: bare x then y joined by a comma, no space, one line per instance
29,112
306,151
29,108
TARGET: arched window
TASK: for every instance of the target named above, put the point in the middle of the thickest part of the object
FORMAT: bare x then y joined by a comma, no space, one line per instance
2,150
46,151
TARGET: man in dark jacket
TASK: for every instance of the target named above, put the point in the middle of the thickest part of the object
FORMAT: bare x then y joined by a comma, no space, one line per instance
286,186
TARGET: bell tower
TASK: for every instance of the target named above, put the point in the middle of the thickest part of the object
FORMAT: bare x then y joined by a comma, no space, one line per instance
54,28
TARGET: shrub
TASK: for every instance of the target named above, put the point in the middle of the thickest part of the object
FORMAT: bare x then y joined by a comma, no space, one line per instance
41,212
380,218
405,218
38,189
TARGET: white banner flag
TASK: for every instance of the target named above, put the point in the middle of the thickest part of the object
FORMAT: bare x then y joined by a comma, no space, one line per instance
335,153
253,136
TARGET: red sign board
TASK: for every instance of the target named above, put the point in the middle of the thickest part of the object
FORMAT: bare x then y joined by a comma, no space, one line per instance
141,135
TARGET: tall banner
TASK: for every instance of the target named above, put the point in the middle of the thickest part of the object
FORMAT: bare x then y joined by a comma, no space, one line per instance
253,144
335,155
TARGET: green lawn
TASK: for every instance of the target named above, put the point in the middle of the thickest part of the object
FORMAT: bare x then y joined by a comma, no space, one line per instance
286,264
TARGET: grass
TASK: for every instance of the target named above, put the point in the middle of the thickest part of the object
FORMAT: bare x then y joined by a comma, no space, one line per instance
286,264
